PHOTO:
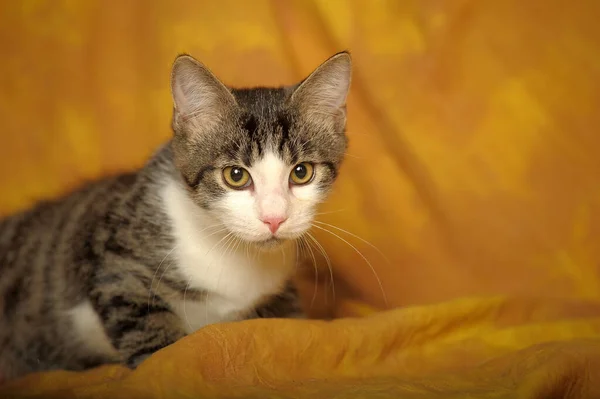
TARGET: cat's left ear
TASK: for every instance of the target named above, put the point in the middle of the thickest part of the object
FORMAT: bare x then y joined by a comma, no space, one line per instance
198,95
322,95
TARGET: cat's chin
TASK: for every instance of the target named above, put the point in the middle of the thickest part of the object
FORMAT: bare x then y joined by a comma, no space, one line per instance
270,244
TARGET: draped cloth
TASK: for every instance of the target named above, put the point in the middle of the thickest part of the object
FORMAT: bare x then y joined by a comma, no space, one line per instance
472,166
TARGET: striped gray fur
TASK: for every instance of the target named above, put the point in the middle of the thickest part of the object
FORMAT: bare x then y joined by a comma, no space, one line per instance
104,242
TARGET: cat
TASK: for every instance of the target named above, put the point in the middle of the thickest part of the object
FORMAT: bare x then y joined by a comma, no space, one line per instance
203,233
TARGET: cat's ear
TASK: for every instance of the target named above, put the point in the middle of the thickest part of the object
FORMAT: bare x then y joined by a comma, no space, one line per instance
197,94
323,93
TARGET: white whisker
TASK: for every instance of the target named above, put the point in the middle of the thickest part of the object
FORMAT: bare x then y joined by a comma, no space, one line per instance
283,254
152,289
154,276
358,238
328,260
187,285
330,212
232,244
172,262
160,279
190,280
363,257
297,253
229,239
354,156
312,301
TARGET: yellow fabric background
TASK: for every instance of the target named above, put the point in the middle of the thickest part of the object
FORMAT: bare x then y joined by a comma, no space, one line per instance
473,161
473,125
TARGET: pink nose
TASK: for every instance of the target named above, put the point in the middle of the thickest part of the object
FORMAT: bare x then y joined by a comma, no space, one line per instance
273,223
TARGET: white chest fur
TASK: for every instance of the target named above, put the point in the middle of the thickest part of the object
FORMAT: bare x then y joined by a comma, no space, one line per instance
235,276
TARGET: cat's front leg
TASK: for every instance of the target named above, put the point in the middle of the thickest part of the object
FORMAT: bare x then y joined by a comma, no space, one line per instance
136,326
283,305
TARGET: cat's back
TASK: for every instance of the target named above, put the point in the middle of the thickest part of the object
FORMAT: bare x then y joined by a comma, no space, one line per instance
53,234
51,255
44,223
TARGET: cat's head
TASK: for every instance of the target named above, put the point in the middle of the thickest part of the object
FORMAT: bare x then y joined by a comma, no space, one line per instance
261,159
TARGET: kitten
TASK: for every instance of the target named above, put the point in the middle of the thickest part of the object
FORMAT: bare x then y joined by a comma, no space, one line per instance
203,233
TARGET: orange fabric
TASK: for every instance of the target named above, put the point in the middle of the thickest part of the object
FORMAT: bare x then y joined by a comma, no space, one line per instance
473,161
482,348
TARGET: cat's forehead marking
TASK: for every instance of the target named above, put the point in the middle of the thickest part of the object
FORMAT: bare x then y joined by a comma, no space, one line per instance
266,130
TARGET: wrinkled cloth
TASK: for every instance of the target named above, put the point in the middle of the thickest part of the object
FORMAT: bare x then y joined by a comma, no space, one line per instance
487,348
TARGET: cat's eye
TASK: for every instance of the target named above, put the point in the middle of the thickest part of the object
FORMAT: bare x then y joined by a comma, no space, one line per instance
302,173
236,177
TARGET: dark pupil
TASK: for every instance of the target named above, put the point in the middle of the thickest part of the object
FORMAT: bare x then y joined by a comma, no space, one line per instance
300,171
236,174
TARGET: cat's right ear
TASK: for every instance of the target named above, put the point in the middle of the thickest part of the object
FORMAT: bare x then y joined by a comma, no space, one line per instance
198,96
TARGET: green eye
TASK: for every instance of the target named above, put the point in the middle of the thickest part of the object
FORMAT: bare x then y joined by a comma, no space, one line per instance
236,177
302,173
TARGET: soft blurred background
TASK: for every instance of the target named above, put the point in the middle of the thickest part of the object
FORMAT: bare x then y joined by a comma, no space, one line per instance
474,159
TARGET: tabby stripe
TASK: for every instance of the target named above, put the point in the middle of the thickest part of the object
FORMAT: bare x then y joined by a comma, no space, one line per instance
193,184
122,328
8,228
246,153
145,351
52,258
176,285
259,148
115,222
284,122
16,240
135,309
18,289
116,248
108,279
331,168
12,295
250,126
